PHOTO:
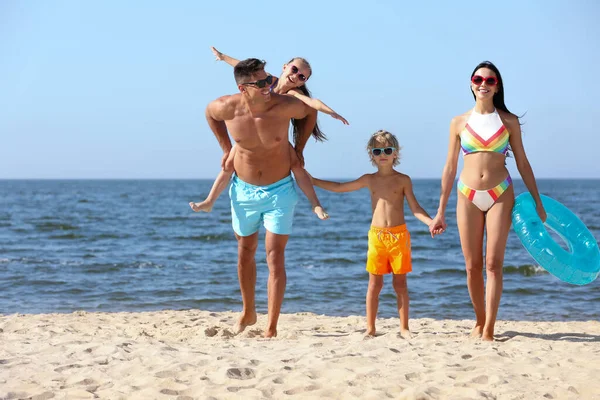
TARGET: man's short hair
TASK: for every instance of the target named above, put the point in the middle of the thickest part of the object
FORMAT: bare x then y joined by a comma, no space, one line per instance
246,68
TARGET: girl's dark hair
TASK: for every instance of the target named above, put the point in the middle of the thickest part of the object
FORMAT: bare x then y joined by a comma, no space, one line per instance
316,133
499,96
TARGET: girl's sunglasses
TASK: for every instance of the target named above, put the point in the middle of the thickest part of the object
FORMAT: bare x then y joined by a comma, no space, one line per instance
376,151
300,76
490,80
261,83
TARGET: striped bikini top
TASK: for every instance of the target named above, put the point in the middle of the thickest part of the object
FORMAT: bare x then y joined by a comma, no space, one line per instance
484,132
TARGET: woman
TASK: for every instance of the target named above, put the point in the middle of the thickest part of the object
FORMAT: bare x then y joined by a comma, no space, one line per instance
486,194
291,82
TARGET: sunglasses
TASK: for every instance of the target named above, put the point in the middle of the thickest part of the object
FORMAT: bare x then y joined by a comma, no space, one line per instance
261,83
376,151
490,80
300,76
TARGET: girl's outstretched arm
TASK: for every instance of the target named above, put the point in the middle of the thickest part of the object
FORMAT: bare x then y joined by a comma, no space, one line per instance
224,57
317,105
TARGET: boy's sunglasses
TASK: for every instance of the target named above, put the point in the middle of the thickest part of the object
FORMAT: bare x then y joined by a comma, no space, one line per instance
261,83
490,80
386,150
300,76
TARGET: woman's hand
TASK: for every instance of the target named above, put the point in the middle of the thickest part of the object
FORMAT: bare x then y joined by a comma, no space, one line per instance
541,212
438,225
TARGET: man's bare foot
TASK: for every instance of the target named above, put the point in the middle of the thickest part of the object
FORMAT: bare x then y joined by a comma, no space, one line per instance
405,333
243,322
270,333
477,331
321,213
205,206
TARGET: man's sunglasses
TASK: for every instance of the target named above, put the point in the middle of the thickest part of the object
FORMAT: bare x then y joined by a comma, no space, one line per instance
261,83
490,80
376,151
300,76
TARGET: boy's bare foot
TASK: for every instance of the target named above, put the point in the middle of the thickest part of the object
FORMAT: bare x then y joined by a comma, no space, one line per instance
321,213
205,206
405,333
477,331
243,322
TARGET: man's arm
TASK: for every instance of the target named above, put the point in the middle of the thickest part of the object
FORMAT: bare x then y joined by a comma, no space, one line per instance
216,114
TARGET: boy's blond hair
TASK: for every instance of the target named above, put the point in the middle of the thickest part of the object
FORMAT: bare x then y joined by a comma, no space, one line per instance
383,136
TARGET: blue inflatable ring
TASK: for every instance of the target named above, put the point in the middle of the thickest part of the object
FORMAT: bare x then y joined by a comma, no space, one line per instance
581,264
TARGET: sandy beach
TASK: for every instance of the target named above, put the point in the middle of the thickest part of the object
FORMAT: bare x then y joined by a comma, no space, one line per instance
194,355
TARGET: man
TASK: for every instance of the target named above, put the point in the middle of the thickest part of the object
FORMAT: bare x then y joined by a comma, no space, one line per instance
262,190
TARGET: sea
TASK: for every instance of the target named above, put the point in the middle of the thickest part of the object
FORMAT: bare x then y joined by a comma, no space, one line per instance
135,245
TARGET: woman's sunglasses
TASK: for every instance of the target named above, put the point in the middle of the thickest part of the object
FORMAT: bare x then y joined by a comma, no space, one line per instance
490,80
376,151
261,83
300,76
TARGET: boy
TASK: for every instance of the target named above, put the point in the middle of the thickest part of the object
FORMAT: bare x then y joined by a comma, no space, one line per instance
389,240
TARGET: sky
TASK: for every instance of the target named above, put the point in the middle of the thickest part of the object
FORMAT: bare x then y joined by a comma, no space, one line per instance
117,89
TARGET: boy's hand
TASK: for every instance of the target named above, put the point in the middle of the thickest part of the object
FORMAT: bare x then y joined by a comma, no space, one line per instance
438,225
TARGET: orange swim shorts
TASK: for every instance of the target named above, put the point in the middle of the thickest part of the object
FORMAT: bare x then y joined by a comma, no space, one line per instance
389,250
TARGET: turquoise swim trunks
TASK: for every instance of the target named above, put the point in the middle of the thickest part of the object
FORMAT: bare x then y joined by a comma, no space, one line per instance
273,205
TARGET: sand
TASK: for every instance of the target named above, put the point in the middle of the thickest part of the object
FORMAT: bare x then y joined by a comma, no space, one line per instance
193,354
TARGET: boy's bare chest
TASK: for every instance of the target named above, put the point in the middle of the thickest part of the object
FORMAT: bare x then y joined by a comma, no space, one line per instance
389,189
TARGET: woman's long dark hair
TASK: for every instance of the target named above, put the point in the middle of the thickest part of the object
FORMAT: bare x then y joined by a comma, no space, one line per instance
316,133
499,96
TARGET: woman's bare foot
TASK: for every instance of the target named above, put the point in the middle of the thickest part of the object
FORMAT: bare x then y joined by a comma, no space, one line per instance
321,213
370,333
405,333
243,322
477,331
205,206
487,335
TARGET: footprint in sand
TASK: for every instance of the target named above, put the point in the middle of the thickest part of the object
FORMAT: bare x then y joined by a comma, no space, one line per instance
254,333
212,331
413,376
240,373
227,334
299,390
466,356
165,374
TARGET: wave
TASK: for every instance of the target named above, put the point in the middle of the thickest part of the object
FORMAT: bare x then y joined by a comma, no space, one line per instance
525,270
208,238
70,236
54,226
